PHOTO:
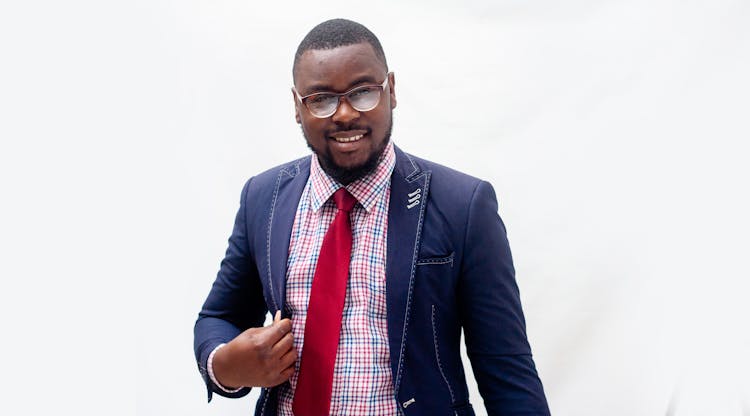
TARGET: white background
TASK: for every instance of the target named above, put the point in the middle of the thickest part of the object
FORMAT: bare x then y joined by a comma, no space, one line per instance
613,131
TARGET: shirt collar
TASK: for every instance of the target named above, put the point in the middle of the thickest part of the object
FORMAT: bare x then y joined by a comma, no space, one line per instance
366,189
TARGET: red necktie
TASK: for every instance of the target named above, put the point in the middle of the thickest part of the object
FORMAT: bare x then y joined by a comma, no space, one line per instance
312,396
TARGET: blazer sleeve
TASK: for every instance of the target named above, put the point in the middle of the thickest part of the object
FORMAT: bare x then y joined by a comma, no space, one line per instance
494,326
235,302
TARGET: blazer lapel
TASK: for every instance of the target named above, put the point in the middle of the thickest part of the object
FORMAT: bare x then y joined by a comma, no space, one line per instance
409,193
409,190
289,186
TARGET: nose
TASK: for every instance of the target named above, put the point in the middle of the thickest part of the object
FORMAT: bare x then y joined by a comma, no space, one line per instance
345,112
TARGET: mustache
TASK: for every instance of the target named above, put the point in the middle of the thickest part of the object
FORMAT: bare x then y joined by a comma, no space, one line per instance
349,127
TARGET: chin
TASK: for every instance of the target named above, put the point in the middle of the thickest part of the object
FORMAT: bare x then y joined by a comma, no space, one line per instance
353,164
365,163
348,174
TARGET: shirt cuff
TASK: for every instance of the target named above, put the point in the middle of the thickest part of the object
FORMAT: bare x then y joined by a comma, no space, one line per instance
210,366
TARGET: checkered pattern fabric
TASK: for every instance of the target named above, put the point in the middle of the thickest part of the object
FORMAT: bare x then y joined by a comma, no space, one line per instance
362,382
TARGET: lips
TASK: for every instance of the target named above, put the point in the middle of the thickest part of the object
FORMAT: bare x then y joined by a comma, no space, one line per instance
348,136
348,139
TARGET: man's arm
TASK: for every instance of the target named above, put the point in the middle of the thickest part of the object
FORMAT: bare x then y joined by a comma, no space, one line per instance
262,357
492,317
235,302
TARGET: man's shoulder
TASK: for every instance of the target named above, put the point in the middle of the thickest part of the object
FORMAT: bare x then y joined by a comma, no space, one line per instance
271,176
444,178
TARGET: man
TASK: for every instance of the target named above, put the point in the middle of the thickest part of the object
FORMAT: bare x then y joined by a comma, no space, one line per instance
371,260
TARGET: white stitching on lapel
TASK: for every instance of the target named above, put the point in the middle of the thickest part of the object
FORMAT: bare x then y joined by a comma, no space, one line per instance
268,239
417,239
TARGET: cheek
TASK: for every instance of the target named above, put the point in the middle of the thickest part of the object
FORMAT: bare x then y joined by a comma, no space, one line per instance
313,129
309,124
382,121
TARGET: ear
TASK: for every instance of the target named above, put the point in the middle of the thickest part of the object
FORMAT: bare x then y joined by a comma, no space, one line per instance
392,88
296,107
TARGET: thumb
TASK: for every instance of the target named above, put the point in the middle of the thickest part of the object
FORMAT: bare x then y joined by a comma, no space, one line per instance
282,325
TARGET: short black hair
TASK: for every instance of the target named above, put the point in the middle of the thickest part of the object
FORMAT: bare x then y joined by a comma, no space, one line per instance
338,32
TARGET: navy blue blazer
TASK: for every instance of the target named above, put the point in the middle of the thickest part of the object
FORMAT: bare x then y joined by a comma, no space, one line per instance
448,267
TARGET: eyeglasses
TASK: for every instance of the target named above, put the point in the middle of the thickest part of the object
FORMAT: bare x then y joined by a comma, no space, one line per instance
325,104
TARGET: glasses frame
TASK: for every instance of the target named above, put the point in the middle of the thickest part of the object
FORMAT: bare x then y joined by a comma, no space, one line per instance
338,96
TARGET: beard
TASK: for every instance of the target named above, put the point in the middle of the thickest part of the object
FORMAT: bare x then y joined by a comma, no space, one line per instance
344,175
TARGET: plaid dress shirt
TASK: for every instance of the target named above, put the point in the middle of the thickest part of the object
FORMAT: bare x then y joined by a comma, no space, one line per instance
362,381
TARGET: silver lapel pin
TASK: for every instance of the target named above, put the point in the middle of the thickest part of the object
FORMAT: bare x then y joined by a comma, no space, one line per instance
414,198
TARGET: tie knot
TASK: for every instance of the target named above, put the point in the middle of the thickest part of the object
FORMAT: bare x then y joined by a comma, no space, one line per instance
344,200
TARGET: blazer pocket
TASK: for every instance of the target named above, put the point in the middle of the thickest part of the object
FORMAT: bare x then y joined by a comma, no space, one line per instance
436,260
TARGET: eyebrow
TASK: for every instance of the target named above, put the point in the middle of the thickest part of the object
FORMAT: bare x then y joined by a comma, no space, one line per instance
316,88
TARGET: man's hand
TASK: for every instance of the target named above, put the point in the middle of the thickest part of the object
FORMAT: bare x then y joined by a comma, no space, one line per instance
258,357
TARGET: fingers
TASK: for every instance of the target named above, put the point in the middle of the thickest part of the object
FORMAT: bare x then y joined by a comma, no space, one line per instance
286,365
284,326
282,377
287,360
265,356
271,334
287,373
278,330
283,345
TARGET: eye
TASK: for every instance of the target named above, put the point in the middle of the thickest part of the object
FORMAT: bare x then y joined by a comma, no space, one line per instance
320,99
361,92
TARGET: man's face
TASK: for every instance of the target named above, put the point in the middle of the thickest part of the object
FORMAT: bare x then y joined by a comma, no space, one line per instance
339,70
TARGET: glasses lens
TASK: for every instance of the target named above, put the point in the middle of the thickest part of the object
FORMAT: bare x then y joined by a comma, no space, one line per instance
365,98
322,105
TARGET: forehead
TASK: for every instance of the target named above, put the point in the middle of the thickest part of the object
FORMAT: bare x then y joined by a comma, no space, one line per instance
338,69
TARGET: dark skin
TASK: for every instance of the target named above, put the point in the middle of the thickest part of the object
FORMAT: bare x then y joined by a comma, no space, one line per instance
258,357
265,357
339,70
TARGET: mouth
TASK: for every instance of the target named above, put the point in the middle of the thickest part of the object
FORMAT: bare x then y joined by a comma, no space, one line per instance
348,139
349,136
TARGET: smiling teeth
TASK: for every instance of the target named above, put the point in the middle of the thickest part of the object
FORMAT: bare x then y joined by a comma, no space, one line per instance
348,139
